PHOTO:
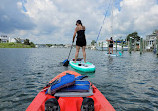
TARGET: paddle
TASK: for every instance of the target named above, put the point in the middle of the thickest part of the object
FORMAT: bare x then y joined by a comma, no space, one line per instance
120,53
66,62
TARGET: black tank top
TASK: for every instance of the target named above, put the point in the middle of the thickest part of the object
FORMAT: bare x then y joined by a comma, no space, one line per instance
81,34
111,41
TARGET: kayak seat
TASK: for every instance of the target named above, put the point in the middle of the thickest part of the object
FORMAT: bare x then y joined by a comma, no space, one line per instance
87,104
52,105
81,88
64,81
74,94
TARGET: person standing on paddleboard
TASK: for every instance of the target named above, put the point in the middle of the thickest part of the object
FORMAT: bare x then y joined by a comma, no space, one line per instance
81,39
111,45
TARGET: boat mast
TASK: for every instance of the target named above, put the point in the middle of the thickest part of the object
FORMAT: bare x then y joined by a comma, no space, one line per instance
112,19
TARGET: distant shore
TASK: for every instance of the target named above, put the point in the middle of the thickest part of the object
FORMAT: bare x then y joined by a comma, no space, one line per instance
14,45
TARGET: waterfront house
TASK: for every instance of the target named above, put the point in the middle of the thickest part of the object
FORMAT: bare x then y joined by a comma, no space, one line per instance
12,40
151,40
19,40
4,39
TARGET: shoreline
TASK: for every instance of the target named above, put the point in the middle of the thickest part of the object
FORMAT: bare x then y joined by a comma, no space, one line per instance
14,45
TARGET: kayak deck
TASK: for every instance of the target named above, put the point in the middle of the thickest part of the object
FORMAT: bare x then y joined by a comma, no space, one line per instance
70,103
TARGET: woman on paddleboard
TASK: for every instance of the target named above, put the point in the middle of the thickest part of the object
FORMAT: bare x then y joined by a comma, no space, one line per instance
111,45
80,39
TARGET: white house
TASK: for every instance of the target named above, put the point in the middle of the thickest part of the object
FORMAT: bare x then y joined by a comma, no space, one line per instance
151,40
12,40
4,39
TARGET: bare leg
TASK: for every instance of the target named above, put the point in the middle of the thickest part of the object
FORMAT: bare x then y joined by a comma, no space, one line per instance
112,50
84,53
77,52
109,50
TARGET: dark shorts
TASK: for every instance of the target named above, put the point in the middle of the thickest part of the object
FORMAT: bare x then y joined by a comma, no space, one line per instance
81,42
110,45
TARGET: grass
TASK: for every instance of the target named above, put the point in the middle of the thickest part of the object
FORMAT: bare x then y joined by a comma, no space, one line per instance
14,45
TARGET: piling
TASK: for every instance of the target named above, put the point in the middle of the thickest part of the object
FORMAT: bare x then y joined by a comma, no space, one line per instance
102,46
144,45
122,45
135,46
157,47
141,45
116,46
130,45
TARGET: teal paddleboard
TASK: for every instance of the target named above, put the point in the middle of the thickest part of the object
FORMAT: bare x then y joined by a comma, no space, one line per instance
116,55
81,66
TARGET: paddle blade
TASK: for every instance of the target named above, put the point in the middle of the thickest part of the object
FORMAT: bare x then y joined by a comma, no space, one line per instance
66,63
120,53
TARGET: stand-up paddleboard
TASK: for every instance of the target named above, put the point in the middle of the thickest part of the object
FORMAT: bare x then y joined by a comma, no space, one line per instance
116,55
81,66
112,54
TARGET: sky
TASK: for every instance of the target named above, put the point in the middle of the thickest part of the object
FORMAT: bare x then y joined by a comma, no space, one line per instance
53,21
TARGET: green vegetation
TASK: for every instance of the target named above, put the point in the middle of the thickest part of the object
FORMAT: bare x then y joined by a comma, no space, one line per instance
27,42
14,45
49,45
93,42
18,44
134,36
32,44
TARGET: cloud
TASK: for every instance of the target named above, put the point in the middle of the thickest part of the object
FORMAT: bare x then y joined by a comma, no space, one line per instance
57,18
53,21
136,15
12,18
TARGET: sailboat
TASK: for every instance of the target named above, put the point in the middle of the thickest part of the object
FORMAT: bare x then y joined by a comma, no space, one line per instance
104,45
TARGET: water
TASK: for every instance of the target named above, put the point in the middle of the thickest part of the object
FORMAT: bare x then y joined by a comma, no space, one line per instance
130,83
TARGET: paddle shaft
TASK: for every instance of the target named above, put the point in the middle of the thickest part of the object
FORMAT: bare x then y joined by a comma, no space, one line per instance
70,50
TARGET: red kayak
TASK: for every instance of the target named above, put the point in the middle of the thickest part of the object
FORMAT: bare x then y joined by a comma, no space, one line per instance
70,103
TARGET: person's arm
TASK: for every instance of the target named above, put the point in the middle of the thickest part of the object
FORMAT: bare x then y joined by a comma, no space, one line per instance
107,40
84,28
74,34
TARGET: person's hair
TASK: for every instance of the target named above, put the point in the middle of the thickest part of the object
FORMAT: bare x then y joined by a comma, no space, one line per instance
79,22
111,38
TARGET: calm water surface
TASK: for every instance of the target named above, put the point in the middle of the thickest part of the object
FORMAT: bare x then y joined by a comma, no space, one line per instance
130,83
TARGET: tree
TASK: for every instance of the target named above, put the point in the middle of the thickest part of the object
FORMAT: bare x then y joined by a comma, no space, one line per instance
133,35
26,42
49,45
32,44
93,42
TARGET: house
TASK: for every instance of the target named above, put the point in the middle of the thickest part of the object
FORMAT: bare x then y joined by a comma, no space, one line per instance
12,40
151,40
19,40
4,39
